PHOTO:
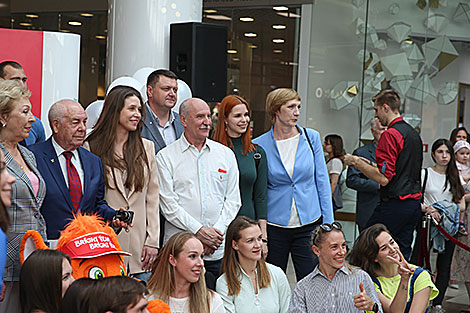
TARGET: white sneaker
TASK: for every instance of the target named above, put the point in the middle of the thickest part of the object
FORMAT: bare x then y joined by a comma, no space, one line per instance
438,309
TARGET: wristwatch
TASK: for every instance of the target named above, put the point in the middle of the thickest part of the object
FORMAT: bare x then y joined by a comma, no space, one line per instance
375,308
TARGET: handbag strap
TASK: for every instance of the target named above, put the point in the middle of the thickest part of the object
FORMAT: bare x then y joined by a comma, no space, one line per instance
308,139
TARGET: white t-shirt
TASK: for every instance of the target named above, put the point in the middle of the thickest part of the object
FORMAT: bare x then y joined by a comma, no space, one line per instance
288,149
434,187
182,305
334,166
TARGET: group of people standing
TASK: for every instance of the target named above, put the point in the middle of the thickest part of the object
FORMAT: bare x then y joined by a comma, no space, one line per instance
223,213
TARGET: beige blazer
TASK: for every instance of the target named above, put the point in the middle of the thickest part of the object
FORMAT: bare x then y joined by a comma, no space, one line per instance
145,204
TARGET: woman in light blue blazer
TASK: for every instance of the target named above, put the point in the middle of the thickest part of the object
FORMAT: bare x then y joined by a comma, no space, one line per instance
27,193
299,194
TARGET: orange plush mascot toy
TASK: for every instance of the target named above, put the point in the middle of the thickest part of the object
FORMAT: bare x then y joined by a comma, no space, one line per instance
93,248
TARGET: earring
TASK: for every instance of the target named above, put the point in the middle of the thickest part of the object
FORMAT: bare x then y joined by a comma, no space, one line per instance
4,124
226,126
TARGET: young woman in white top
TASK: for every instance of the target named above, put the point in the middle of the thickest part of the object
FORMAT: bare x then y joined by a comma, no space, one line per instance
248,283
176,277
442,183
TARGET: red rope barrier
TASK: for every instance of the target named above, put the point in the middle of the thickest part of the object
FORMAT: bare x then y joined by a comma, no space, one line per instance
458,243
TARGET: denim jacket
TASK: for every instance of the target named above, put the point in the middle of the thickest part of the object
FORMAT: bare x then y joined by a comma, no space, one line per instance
449,221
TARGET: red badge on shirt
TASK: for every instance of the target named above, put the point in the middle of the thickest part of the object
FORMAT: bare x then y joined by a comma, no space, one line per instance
222,171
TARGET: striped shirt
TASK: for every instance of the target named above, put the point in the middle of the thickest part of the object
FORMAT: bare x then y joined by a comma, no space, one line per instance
317,294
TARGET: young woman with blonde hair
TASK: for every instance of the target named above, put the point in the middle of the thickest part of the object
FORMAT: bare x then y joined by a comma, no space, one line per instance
176,277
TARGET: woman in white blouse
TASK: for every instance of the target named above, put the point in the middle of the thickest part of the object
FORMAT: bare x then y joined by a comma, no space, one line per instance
248,283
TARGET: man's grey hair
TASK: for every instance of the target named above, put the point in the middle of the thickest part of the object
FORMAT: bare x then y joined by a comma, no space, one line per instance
58,111
184,110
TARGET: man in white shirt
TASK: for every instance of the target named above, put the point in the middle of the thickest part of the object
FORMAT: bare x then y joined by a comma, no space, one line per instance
198,183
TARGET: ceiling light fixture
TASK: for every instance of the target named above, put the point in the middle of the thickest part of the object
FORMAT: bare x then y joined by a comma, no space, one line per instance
252,35
288,14
279,26
278,40
219,17
235,59
210,11
247,19
280,8
32,15
26,24
231,51
75,23
277,51
253,46
65,31
87,14
100,37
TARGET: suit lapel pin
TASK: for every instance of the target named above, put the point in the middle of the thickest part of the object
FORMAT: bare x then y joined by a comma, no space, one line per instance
52,160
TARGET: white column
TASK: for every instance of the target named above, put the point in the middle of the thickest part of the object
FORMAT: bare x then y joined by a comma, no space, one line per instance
139,33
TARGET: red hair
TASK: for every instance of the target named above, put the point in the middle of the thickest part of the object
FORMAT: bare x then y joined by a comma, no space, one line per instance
220,133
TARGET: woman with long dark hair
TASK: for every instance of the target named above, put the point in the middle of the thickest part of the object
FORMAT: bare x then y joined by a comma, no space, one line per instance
377,253
248,283
233,130
130,174
442,182
45,277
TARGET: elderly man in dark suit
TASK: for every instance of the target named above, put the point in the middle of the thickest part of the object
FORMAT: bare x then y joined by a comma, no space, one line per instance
73,175
367,189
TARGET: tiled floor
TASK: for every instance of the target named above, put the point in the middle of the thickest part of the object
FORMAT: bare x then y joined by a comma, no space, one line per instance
454,301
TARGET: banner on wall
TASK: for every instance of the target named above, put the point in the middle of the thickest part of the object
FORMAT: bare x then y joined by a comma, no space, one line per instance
51,61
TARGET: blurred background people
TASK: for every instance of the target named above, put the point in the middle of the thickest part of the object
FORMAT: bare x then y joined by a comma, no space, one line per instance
367,197
130,175
459,133
29,189
299,193
401,287
45,277
333,146
177,277
233,130
247,283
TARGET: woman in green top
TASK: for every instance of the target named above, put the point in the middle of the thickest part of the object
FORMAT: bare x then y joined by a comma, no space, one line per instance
233,130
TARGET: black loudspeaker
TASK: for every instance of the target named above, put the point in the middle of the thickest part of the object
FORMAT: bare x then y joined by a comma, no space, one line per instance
198,55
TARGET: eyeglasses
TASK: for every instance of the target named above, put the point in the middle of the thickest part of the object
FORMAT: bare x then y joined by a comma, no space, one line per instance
325,228
3,166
